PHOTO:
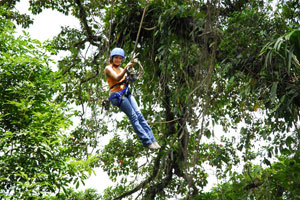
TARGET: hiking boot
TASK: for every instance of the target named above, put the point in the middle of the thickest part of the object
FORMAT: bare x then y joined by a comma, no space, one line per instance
152,146
157,145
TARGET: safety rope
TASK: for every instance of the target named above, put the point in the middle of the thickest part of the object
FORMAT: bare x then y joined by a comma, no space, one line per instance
133,55
140,27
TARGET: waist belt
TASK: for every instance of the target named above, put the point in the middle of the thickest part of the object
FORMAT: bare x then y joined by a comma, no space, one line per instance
120,94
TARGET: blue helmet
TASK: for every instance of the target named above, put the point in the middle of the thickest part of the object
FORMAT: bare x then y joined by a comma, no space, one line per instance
117,52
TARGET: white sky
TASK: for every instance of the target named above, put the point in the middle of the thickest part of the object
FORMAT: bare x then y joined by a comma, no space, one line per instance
48,23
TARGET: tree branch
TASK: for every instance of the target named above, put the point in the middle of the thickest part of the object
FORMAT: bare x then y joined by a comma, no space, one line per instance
189,179
83,18
146,182
157,188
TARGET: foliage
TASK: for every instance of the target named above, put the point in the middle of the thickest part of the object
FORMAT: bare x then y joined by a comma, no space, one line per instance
283,77
70,194
21,19
280,181
233,64
34,159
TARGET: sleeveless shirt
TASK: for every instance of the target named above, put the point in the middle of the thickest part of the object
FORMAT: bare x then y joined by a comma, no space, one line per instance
112,82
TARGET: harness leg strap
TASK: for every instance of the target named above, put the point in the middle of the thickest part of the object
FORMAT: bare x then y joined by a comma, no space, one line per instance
119,95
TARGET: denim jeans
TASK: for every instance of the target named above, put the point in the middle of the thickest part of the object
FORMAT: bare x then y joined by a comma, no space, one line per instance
138,122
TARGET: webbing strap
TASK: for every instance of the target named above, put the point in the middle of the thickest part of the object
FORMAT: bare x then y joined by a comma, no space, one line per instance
118,95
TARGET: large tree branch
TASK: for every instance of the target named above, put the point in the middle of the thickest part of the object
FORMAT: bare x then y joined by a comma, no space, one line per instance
153,190
157,188
183,137
189,179
145,182
83,18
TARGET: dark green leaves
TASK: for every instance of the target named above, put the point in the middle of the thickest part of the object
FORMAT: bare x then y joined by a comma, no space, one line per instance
34,160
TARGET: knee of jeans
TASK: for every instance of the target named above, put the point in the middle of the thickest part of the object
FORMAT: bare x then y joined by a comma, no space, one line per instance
133,117
139,115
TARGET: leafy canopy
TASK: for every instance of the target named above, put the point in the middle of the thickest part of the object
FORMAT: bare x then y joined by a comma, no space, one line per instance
233,64
34,158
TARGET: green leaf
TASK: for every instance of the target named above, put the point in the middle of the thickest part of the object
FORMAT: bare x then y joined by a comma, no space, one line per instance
207,133
278,43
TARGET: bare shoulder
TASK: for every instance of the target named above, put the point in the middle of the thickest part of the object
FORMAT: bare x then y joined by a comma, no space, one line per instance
108,69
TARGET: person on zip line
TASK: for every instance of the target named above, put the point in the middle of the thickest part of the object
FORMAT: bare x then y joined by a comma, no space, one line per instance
121,97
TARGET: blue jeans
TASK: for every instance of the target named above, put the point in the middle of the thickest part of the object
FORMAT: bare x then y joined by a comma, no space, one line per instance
138,122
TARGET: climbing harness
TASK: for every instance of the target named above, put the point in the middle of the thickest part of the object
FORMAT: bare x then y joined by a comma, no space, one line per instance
120,95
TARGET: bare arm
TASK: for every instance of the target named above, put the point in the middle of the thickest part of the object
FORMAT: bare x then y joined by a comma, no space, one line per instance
109,72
